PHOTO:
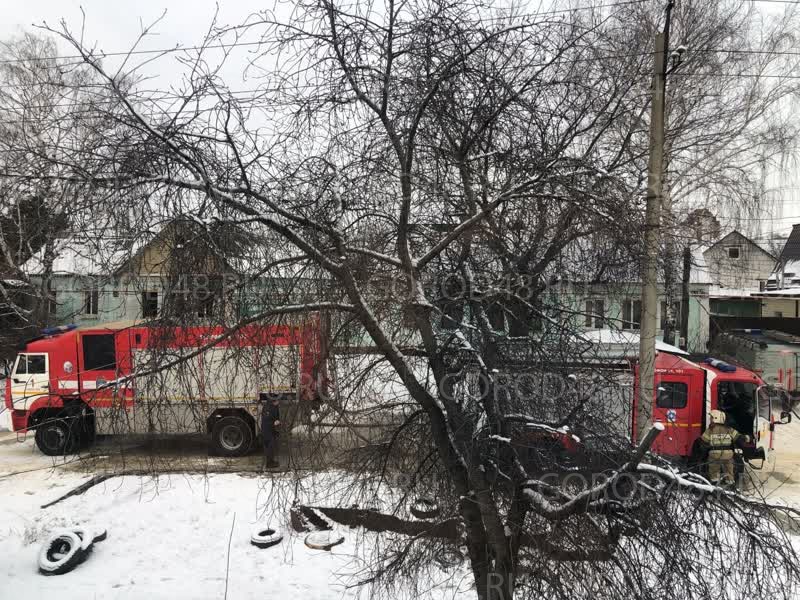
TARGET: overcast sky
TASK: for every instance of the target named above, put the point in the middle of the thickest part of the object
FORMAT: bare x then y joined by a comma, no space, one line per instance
115,25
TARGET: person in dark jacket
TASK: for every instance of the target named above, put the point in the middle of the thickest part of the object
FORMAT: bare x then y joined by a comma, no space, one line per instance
719,439
270,424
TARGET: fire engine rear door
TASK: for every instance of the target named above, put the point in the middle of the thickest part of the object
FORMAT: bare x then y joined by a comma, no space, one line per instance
678,405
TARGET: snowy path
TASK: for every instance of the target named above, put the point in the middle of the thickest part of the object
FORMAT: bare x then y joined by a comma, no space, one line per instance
169,539
780,475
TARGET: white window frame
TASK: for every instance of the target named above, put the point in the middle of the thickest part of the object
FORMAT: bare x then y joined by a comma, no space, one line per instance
628,313
92,298
590,314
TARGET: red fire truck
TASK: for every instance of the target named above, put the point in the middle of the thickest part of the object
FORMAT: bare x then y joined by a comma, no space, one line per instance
685,394
72,383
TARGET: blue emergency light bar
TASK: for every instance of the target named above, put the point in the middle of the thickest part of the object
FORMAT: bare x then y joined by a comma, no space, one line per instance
720,365
59,329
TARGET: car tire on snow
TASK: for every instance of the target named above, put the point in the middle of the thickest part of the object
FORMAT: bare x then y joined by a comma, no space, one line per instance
264,536
87,541
100,535
449,558
61,553
323,540
424,508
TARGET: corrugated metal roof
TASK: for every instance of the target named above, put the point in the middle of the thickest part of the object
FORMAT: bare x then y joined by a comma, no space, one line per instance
791,250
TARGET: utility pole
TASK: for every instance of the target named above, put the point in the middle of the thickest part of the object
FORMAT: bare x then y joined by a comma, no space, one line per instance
686,295
655,181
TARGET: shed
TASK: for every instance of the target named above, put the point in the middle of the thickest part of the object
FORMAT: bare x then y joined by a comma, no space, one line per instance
774,355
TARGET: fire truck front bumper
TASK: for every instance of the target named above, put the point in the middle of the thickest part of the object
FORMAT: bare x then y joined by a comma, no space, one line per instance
19,420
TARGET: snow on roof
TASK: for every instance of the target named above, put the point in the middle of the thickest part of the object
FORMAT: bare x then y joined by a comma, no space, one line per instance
787,291
699,272
614,339
75,256
790,267
717,291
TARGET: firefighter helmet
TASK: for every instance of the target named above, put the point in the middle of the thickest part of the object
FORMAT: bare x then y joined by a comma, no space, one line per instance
717,417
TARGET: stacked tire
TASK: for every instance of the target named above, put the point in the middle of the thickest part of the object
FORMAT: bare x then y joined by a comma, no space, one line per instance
66,549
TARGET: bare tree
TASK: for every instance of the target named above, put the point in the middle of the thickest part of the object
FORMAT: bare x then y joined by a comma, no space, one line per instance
439,167
51,108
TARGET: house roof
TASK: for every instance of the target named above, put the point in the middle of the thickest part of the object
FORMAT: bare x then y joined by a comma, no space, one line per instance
623,342
699,272
739,234
791,249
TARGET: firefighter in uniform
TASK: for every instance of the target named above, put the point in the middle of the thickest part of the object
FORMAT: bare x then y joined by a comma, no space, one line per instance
270,423
720,439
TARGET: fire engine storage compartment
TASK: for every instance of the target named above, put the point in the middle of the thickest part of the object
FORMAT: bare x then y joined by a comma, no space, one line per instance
774,355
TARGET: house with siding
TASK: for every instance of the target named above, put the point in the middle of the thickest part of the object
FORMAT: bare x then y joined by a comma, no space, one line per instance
179,273
737,262
618,306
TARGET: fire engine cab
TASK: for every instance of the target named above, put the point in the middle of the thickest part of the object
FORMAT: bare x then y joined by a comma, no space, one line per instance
685,394
72,383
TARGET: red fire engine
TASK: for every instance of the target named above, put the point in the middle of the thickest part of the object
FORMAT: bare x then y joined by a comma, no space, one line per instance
72,383
685,394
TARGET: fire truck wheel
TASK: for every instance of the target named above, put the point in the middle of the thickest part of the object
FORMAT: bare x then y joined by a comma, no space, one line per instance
61,553
56,437
231,436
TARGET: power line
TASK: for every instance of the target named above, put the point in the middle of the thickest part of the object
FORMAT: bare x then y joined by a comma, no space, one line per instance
299,87
239,44
242,44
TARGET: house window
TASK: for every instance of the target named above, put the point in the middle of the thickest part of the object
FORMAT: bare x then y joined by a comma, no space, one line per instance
496,317
595,311
733,252
631,314
676,311
672,394
52,299
92,299
149,305
205,305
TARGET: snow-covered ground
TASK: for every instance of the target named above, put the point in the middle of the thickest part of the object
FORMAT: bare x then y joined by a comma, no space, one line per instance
779,478
168,538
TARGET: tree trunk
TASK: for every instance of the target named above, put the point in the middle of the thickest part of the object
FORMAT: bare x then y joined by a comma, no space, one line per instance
687,274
